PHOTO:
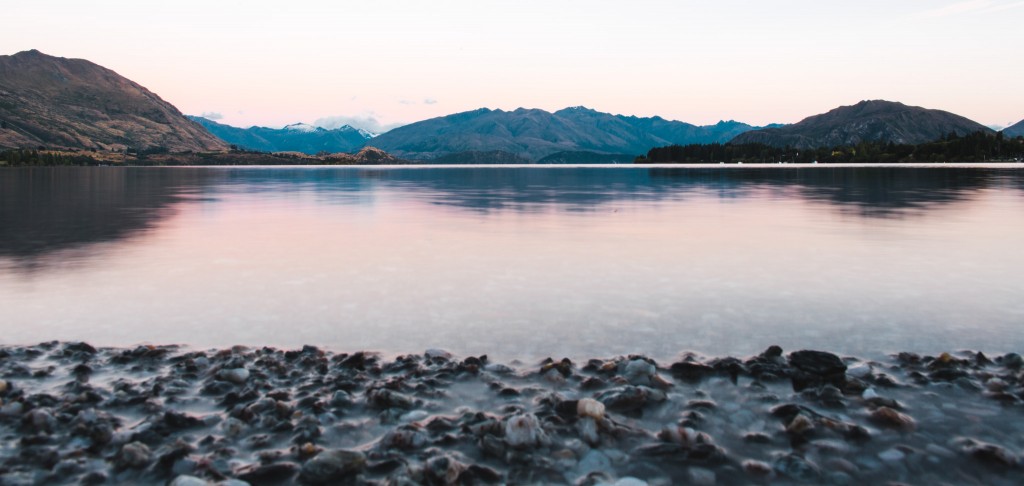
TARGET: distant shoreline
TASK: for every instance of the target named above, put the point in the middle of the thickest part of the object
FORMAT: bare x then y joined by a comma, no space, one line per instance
86,159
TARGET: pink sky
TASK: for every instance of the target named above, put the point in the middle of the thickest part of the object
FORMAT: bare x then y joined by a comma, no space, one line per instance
274,63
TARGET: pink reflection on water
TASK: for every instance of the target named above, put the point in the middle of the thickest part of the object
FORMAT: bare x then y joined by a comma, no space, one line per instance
404,273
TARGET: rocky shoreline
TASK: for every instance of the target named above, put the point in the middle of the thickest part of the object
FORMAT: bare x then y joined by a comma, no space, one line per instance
75,414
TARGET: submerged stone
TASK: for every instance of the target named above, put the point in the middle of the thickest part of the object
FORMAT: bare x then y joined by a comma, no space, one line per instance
332,466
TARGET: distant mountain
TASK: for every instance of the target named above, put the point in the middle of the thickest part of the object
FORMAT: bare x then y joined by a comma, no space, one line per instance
72,103
534,134
876,120
1015,130
298,137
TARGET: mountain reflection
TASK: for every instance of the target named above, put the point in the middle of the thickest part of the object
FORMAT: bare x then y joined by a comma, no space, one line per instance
45,211
879,192
48,210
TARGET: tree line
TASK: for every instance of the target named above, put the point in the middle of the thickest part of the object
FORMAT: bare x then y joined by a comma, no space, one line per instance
33,157
975,147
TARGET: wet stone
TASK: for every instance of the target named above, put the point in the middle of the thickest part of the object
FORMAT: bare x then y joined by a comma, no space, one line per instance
796,467
268,473
156,415
690,371
887,417
332,466
524,431
134,455
185,480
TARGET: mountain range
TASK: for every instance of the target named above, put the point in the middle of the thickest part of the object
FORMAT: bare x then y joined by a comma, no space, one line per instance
867,121
298,137
534,134
73,103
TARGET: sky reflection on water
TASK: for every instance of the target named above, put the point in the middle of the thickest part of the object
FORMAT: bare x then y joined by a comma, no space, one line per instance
517,262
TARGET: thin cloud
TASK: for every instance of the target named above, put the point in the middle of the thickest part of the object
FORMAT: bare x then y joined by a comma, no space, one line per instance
1007,6
430,101
972,6
212,115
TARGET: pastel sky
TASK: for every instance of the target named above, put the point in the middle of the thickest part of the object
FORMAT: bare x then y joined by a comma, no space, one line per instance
386,62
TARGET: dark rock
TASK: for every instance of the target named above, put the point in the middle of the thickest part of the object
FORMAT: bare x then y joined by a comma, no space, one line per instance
332,466
267,473
133,456
690,371
991,454
384,398
773,351
80,347
624,399
817,363
482,474
815,368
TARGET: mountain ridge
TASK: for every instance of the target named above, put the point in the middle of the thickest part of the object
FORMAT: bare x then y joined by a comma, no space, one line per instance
1015,130
58,102
297,137
866,121
534,133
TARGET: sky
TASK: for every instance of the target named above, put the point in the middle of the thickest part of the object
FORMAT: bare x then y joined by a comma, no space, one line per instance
381,63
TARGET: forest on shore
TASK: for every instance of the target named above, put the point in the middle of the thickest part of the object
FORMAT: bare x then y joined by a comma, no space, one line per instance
975,147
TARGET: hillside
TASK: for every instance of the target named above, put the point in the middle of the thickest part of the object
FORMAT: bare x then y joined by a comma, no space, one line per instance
73,103
535,134
867,121
1015,130
298,137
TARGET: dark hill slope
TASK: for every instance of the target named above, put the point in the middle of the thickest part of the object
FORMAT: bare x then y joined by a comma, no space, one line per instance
535,134
1015,130
73,103
877,120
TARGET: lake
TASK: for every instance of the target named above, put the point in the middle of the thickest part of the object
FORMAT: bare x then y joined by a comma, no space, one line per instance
518,261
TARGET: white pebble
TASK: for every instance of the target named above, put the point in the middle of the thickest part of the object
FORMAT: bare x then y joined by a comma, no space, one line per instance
185,480
414,416
588,407
630,481
235,375
891,455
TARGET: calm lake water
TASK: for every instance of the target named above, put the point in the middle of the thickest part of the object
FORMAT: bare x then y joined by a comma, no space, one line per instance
517,262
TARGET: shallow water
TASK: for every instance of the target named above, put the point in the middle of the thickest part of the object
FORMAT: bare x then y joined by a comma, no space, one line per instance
520,262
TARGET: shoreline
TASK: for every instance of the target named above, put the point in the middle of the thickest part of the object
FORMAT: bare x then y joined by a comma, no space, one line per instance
74,413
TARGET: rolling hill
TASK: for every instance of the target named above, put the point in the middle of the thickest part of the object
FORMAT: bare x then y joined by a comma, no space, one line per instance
875,121
56,102
535,134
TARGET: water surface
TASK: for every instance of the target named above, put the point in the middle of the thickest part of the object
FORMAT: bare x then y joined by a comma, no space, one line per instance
517,261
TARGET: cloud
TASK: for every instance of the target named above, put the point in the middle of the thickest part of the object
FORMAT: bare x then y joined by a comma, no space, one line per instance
212,115
367,122
407,102
430,101
969,6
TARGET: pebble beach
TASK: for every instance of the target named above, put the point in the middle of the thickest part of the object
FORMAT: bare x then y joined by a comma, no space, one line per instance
72,413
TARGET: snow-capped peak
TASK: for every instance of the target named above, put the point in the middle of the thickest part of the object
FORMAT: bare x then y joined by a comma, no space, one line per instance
365,133
301,127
